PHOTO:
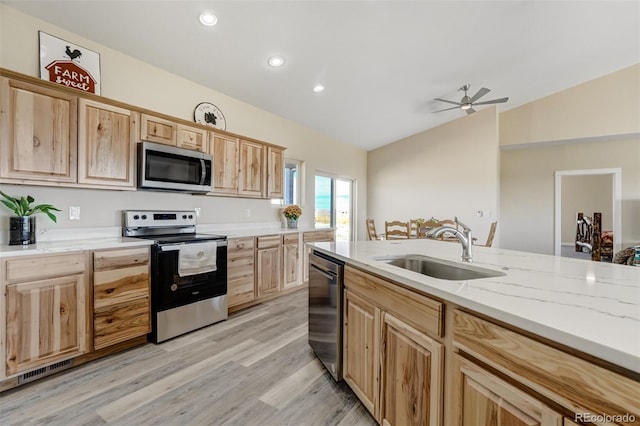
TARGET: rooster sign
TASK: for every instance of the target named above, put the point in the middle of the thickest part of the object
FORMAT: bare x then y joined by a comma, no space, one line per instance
70,65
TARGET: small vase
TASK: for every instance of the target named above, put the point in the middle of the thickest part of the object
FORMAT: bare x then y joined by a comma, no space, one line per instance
22,230
292,223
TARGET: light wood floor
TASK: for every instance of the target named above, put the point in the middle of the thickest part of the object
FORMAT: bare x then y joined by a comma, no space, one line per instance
256,368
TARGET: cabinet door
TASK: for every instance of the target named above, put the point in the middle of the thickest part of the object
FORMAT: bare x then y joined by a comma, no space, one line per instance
482,398
38,131
192,138
106,150
226,157
252,171
240,271
275,175
291,260
268,271
361,354
412,371
154,129
45,322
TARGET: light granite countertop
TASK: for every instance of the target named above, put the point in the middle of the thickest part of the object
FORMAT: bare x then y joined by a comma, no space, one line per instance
593,307
53,247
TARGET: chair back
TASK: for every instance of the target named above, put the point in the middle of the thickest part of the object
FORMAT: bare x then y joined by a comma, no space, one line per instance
397,230
371,230
492,233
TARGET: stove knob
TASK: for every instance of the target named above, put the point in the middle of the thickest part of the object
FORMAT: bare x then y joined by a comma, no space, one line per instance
144,217
136,217
184,216
190,216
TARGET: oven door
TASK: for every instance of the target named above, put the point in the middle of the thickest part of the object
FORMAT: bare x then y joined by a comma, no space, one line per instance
170,290
176,169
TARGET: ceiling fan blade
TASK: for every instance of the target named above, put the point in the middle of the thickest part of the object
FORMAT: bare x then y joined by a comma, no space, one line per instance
447,109
470,111
495,101
480,94
449,102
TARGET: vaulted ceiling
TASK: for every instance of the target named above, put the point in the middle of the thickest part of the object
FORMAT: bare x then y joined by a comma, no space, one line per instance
382,62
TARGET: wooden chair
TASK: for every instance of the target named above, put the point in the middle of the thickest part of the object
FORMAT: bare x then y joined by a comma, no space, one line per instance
371,230
492,233
396,230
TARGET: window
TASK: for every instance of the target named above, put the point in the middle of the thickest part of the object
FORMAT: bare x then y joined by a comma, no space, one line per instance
293,183
334,205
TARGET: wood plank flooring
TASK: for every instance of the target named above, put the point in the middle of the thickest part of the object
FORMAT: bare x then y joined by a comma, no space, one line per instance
256,368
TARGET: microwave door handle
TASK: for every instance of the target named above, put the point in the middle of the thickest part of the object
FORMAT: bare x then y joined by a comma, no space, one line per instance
203,174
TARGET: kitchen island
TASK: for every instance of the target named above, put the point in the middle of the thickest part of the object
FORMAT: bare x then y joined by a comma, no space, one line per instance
553,340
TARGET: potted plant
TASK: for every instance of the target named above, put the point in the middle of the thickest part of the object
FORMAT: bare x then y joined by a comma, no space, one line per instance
292,213
22,227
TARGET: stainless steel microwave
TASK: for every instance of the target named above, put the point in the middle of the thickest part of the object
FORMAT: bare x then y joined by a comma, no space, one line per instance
168,168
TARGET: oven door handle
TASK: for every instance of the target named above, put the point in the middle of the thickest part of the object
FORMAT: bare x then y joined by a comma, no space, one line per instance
174,247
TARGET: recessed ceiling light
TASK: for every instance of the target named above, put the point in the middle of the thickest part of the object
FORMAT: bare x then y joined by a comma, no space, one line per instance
276,61
318,88
208,19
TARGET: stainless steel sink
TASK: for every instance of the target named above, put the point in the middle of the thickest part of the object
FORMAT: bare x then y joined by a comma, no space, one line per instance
442,269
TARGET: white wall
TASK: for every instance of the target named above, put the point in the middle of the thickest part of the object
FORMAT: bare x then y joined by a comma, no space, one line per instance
586,194
450,170
128,80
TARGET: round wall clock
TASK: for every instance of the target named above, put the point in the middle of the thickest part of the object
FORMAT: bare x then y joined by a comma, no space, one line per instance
210,115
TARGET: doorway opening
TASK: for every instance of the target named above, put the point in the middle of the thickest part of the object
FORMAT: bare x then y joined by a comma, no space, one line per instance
334,205
584,188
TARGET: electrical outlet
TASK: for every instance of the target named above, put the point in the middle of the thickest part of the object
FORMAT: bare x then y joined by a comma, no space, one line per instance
247,212
198,210
74,212
479,213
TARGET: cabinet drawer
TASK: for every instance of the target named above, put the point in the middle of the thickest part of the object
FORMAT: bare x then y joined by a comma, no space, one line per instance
240,247
120,323
111,259
572,381
314,236
268,241
290,238
120,285
31,268
419,311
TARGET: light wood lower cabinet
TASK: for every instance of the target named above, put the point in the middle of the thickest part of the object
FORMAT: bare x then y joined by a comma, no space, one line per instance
46,310
240,270
291,260
313,237
268,277
121,296
481,398
395,369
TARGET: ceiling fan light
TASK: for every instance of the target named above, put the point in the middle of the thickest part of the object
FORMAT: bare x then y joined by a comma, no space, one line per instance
465,106
208,19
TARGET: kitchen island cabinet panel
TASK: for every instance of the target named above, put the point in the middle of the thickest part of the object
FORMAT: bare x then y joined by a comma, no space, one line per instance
106,147
39,134
483,398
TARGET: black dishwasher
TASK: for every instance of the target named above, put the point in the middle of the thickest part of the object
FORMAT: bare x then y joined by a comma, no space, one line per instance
325,310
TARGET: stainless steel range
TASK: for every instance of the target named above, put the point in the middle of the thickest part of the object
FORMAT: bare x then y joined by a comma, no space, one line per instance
188,271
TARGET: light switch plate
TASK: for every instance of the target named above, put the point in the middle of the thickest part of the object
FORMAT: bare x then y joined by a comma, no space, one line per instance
74,212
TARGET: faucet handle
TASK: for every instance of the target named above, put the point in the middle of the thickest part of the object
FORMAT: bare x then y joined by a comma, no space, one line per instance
465,227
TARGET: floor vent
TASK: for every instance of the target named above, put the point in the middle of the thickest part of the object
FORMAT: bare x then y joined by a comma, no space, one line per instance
44,371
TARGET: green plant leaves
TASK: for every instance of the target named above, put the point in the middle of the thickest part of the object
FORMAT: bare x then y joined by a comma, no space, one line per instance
22,206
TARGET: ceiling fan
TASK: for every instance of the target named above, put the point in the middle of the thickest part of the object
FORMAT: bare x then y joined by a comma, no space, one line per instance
467,103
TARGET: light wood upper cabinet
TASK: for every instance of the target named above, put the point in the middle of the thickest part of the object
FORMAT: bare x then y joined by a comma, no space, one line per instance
275,174
46,310
38,131
240,270
106,147
252,169
483,398
154,129
226,158
192,138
